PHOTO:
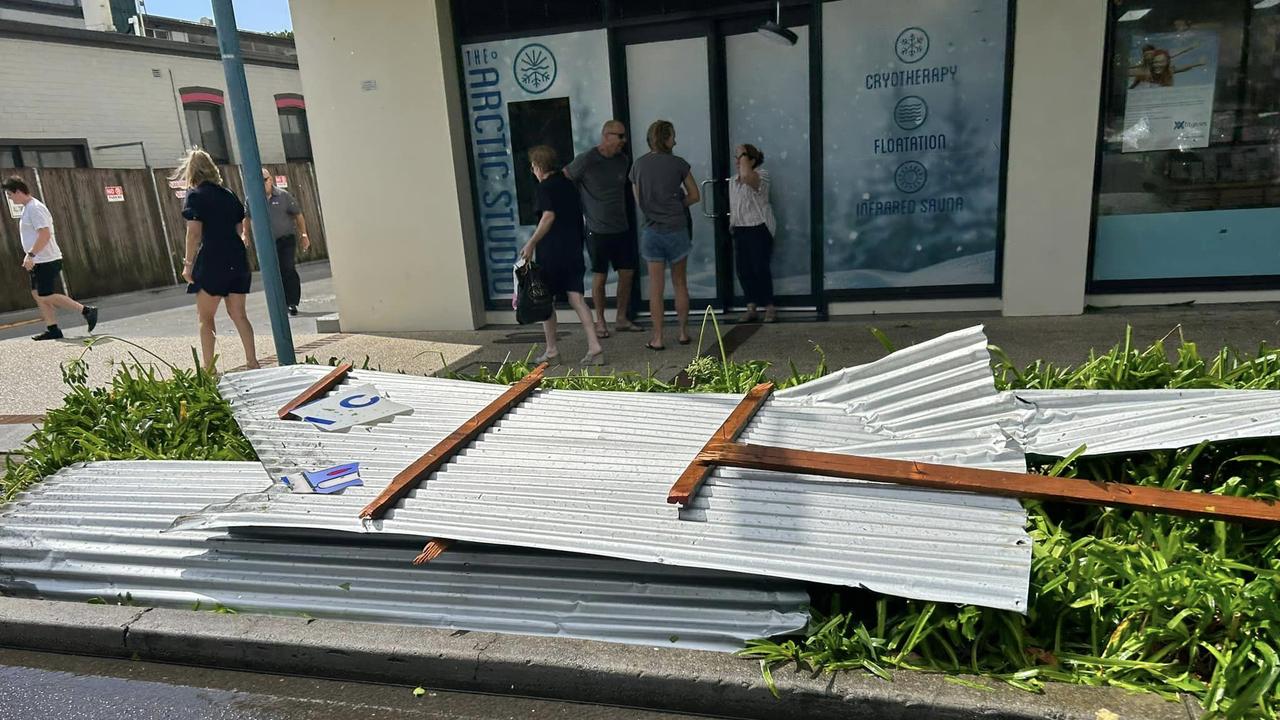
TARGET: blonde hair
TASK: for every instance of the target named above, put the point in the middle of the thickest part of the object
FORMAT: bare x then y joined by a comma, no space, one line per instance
544,158
197,167
661,136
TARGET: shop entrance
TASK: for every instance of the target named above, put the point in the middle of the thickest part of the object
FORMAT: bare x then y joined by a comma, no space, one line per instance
723,84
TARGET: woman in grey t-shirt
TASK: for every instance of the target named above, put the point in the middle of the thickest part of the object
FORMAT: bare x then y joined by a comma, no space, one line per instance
664,190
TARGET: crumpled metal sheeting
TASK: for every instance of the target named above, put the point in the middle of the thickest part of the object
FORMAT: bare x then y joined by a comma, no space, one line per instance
1057,422
941,386
96,531
588,472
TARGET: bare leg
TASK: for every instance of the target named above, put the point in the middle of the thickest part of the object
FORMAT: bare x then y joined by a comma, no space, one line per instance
47,313
625,278
680,282
579,306
549,328
598,300
235,308
58,300
657,279
206,306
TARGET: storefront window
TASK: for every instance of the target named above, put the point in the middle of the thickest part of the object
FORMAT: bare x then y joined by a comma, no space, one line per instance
1189,186
548,90
913,114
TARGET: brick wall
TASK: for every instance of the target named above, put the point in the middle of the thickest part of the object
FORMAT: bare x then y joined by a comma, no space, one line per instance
58,90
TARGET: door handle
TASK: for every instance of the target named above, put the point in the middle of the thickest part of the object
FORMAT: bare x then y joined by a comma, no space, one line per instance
703,204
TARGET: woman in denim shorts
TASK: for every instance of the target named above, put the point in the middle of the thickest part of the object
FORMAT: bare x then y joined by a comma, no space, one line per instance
664,191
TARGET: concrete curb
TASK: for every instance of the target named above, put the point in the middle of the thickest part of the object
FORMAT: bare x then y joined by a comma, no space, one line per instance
560,669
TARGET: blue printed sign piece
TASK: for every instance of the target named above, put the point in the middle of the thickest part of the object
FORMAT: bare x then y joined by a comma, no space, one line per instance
912,45
335,479
351,406
535,68
910,112
910,176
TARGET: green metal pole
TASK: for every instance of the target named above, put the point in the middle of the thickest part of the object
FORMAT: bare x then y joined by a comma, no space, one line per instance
224,18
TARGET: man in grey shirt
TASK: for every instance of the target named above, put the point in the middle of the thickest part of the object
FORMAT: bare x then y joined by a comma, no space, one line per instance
287,227
601,176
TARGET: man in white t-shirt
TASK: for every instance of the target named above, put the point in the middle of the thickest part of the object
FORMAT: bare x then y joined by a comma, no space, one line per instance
43,260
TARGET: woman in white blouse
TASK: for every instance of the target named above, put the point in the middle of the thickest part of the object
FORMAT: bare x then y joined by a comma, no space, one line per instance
751,221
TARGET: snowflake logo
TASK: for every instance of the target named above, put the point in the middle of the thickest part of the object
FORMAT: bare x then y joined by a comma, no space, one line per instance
535,68
910,176
912,45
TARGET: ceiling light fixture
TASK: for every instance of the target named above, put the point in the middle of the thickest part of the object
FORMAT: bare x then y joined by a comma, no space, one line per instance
773,31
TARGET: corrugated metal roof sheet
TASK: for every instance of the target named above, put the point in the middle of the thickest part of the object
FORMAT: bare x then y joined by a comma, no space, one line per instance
1057,422
96,531
588,472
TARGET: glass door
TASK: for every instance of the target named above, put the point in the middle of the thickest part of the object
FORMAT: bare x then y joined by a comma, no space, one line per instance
767,99
667,79
723,84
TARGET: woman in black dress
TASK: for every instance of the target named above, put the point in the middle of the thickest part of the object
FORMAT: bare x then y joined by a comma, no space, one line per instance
557,246
221,267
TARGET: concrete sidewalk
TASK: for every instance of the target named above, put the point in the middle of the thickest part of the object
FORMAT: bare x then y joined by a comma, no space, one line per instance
849,341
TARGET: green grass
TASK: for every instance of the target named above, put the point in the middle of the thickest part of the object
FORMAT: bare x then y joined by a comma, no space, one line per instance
1134,600
142,415
1127,599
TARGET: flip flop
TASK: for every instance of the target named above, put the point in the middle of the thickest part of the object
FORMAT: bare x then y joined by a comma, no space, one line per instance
602,334
651,346
628,328
685,341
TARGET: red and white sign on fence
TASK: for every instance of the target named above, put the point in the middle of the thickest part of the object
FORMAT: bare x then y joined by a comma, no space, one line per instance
282,182
115,193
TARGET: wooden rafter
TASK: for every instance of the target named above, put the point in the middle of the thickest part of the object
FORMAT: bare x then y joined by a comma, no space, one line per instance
316,391
435,458
989,482
686,486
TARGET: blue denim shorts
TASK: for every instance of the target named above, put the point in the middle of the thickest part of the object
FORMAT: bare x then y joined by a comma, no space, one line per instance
669,246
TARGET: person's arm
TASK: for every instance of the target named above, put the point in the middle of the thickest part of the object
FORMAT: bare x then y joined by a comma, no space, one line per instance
195,229
43,235
544,227
242,229
1184,51
691,195
301,225
1188,67
748,174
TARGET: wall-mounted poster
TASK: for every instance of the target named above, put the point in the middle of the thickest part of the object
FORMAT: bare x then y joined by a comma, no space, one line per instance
914,106
1169,105
548,90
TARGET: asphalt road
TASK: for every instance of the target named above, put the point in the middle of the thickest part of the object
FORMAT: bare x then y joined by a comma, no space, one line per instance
40,686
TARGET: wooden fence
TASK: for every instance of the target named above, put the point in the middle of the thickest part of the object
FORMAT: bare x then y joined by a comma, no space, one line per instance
122,230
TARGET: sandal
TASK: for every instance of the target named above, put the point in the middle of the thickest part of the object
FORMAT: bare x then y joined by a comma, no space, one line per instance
629,327
602,332
548,359
684,341
651,346
596,358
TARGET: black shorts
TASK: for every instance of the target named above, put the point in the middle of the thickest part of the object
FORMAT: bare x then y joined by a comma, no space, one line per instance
46,278
616,249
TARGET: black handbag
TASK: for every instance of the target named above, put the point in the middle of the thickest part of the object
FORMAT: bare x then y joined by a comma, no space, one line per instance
534,302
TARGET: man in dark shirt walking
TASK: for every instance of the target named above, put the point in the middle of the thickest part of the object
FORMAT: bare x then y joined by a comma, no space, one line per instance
601,176
287,227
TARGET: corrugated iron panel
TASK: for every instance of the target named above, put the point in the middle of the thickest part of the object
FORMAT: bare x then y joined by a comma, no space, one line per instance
588,472
97,531
1113,421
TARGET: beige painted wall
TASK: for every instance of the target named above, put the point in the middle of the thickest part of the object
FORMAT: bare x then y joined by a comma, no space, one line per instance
400,228
1053,131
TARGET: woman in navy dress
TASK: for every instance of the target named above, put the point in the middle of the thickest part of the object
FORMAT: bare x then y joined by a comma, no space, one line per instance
216,265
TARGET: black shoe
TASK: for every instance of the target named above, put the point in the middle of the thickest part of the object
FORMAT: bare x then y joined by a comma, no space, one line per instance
50,334
293,309
90,316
